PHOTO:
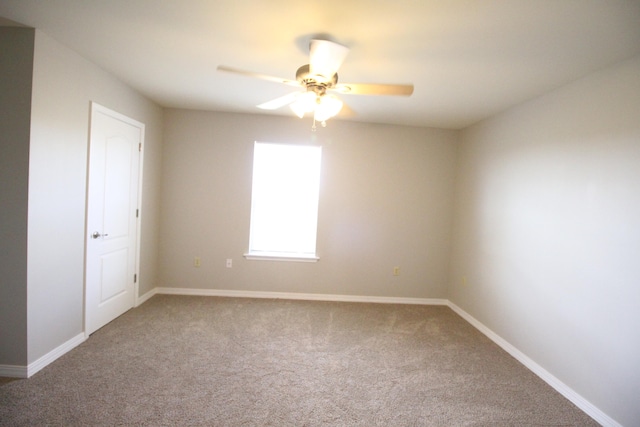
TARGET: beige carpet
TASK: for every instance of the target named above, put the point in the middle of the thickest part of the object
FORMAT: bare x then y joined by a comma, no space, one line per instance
212,361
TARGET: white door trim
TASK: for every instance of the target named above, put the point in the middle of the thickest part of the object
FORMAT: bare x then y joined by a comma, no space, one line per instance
95,108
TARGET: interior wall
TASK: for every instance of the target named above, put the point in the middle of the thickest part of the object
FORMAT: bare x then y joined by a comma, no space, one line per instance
64,84
385,201
16,69
547,234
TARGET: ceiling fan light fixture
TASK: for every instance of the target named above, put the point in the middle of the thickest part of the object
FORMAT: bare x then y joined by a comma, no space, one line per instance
327,107
297,109
304,103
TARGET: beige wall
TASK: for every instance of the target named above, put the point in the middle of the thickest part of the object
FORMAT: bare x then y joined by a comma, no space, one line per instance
386,200
64,84
16,68
547,232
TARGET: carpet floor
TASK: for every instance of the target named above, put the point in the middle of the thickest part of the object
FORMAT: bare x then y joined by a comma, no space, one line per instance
185,360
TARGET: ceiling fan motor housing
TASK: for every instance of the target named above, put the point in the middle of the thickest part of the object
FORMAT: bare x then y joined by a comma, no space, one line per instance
316,83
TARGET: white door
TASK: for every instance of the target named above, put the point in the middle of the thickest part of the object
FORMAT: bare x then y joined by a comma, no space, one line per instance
112,216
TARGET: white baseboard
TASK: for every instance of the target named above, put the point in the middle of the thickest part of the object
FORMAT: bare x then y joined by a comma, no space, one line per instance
54,354
13,371
300,296
547,377
142,299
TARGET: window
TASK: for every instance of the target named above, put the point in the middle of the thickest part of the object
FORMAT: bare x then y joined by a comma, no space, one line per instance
284,202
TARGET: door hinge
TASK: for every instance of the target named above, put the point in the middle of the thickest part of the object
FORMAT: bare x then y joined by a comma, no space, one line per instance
140,146
137,213
135,278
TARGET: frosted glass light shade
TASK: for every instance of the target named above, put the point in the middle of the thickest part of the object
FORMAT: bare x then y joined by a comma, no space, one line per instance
305,103
328,107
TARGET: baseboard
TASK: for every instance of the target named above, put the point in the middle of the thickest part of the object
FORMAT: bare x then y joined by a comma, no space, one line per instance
300,296
13,371
141,300
54,354
547,377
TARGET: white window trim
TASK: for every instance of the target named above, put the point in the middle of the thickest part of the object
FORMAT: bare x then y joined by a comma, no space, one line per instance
265,254
270,256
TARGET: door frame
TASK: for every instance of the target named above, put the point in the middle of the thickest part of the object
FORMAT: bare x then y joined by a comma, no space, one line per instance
95,108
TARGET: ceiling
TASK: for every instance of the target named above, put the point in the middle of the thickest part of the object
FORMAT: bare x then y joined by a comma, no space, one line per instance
468,59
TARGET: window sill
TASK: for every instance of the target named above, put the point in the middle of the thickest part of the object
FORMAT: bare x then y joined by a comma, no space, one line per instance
281,257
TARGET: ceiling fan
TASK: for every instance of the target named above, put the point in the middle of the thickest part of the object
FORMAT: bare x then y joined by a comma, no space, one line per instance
317,80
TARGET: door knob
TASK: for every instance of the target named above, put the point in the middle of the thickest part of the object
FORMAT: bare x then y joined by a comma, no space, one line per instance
95,235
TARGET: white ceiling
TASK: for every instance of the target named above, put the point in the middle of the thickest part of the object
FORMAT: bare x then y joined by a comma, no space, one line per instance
468,59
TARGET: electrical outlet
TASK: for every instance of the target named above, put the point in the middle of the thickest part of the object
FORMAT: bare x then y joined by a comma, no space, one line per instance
229,263
196,261
396,271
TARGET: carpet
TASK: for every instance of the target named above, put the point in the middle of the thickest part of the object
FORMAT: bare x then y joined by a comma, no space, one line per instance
186,360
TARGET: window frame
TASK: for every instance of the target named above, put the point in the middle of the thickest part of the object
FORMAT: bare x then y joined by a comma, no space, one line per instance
264,255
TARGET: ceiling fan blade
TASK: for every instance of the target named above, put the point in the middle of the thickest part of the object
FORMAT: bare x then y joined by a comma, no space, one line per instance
274,104
374,89
258,75
325,57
